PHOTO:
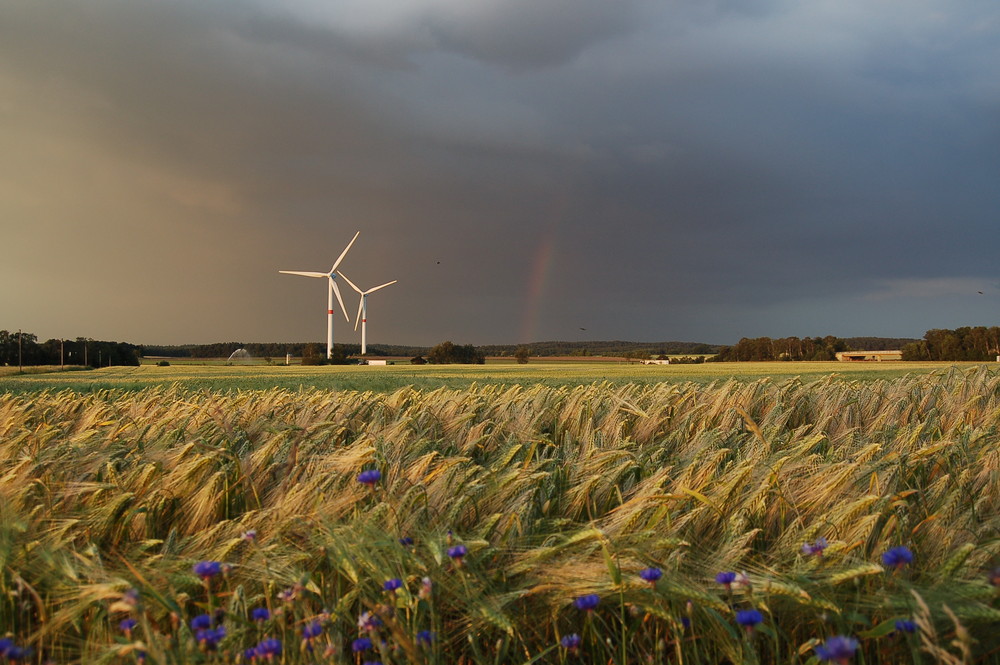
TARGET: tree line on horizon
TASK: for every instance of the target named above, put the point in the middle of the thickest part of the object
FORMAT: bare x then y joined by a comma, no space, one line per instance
805,348
969,343
785,348
278,350
21,348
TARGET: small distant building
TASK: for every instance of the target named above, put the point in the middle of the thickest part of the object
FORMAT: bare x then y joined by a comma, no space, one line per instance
377,362
665,361
869,356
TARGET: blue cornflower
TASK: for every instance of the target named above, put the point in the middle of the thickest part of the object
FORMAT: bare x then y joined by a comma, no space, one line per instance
816,549
250,654
16,653
201,622
571,642
587,603
207,569
12,652
686,622
425,637
897,557
906,626
726,579
269,648
651,574
361,644
406,541
127,625
260,614
838,648
749,618
393,584
370,477
457,552
372,662
210,638
311,630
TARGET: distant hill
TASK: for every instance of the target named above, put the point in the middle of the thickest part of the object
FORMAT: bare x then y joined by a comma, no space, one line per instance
275,350
615,348
538,349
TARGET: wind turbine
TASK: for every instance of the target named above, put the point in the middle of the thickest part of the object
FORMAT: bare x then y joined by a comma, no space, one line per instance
363,310
331,290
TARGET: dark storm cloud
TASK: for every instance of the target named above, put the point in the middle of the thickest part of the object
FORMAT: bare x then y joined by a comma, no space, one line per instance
519,34
525,34
660,170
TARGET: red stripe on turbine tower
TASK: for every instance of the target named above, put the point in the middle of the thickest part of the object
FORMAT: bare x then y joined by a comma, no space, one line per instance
329,311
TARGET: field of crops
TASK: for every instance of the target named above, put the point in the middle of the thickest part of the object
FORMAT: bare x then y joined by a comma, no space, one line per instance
221,377
736,521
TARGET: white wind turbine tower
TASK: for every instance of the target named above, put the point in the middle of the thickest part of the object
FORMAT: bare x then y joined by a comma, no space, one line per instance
331,290
363,310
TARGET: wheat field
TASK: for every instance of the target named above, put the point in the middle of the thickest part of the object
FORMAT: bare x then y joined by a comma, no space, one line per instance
108,500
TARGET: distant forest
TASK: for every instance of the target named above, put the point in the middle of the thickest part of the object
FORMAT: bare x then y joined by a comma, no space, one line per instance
618,349
969,343
806,348
274,350
977,343
79,351
536,349
763,348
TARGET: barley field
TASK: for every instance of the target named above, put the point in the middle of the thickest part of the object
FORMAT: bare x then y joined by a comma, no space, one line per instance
756,520
217,376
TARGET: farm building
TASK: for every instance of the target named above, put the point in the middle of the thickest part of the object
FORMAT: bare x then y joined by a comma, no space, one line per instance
877,356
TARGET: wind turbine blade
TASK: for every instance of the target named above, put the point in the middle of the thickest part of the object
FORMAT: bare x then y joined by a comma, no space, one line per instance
344,253
361,305
353,286
380,287
336,290
304,274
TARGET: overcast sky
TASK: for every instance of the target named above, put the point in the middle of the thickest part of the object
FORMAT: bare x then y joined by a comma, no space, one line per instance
650,170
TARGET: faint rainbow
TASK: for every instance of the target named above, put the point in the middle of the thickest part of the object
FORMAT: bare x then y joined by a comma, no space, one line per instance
541,271
537,283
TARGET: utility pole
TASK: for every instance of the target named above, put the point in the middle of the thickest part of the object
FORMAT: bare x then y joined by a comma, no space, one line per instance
62,356
20,366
